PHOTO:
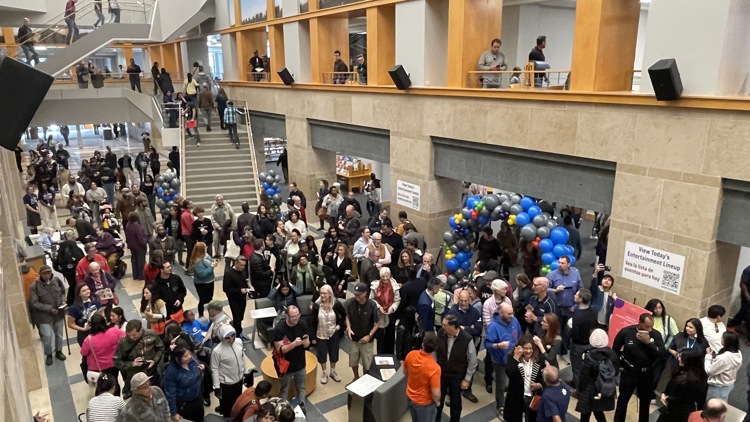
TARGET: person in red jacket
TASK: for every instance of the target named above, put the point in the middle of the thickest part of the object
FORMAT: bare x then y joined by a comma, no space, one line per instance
186,227
82,269
248,404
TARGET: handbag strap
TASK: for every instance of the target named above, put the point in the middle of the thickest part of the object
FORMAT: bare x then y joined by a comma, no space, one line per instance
91,343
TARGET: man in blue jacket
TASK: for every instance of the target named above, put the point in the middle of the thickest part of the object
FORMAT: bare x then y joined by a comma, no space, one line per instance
426,305
470,321
502,336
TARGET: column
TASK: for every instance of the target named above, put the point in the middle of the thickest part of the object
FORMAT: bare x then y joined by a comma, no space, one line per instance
381,44
712,61
311,164
276,41
472,24
422,28
10,41
327,34
297,50
231,65
79,136
439,197
601,25
197,51
643,212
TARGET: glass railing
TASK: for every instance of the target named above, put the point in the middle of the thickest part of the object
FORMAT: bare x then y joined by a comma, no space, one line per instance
519,79
87,18
340,78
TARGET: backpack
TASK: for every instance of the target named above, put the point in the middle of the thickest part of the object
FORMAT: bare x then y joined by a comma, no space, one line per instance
67,258
606,383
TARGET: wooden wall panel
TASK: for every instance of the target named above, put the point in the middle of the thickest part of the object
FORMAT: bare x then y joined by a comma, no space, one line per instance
472,24
381,44
276,38
247,41
10,41
327,34
597,64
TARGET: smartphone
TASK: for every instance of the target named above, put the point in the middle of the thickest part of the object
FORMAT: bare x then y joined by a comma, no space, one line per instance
529,308
305,336
607,268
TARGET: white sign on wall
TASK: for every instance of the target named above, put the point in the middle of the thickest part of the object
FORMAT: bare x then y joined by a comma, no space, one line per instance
653,267
407,194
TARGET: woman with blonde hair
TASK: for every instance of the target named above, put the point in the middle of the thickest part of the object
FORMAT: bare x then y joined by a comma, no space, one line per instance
328,319
202,265
385,294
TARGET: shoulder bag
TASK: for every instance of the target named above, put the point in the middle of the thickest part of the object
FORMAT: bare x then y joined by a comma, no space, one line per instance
93,376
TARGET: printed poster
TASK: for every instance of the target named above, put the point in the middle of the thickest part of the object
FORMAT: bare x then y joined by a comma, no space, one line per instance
624,314
407,194
653,267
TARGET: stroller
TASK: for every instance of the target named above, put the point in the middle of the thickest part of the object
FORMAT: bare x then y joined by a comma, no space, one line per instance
120,267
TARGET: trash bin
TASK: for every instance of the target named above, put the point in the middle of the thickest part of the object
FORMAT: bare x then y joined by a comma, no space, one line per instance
108,136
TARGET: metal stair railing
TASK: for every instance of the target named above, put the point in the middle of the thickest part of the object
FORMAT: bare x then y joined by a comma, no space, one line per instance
253,157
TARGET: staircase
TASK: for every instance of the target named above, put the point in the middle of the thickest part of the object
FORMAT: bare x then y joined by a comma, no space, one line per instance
217,167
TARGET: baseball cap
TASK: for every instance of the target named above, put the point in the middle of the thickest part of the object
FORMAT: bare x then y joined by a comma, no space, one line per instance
214,304
360,288
138,380
45,269
490,275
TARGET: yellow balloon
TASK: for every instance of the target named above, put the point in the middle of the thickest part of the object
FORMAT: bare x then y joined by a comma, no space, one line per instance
458,218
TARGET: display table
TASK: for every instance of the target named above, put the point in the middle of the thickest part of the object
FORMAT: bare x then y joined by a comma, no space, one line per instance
311,371
355,179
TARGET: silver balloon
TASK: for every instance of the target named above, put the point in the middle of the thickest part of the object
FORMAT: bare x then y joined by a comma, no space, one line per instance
449,238
546,215
539,220
485,211
160,204
528,232
543,232
474,225
453,249
491,201
170,204
470,238
272,173
505,206
275,185
269,179
452,280
169,176
515,198
467,248
165,186
175,183
277,178
464,223
459,273
159,180
461,243
172,191
164,212
262,176
503,197
515,209
551,223
276,198
497,213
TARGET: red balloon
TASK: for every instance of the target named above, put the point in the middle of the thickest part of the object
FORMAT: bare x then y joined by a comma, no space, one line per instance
537,239
536,244
474,214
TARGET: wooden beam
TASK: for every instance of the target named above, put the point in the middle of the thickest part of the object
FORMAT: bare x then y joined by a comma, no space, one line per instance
472,24
381,44
600,26
276,39
327,34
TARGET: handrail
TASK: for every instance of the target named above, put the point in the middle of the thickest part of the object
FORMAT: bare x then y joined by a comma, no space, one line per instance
341,77
87,10
526,78
253,157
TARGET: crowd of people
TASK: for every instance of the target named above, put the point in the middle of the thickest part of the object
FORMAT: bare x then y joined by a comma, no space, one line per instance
172,358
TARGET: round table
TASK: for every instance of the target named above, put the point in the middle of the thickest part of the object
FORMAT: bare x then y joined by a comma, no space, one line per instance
311,375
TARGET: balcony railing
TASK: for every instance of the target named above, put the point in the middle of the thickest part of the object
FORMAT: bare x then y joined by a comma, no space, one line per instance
340,78
519,79
258,76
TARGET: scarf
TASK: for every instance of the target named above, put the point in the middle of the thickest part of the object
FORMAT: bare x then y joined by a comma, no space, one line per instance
384,295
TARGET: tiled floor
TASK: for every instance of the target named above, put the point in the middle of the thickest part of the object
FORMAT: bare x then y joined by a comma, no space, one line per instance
65,395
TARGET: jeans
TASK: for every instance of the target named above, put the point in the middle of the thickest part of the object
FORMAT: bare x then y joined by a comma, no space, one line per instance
207,117
72,31
423,413
116,13
232,128
450,386
719,391
99,16
299,384
30,52
630,382
501,380
136,83
110,189
46,332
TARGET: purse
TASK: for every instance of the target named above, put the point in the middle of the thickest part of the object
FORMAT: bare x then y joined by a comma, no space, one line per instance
534,405
191,124
178,316
93,376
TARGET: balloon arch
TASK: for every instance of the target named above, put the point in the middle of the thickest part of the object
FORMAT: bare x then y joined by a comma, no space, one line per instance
537,227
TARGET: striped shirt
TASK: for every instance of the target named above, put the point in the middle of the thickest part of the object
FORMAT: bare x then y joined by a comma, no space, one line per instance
104,408
230,116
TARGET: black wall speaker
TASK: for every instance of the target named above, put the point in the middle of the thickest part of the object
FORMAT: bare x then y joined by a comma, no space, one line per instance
665,78
285,76
23,88
400,77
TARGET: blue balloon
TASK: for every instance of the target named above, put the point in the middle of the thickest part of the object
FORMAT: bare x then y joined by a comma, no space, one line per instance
522,219
471,201
554,265
572,260
558,235
548,257
571,250
559,250
266,185
466,265
467,232
452,265
461,256
534,211
452,222
527,202
160,190
483,219
546,245
466,214
469,255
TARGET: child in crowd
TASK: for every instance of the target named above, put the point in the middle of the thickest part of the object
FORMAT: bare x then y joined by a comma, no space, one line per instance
196,329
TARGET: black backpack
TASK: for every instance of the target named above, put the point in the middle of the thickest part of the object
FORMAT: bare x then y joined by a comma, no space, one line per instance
67,258
606,378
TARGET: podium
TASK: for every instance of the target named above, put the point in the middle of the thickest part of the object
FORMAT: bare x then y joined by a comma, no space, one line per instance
380,395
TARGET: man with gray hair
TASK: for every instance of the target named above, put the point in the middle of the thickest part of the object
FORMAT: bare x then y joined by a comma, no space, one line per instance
206,103
222,218
542,303
25,37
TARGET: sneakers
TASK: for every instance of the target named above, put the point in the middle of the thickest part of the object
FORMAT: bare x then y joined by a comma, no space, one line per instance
500,411
198,144
470,397
60,356
207,401
448,401
324,379
334,376
48,361
237,146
